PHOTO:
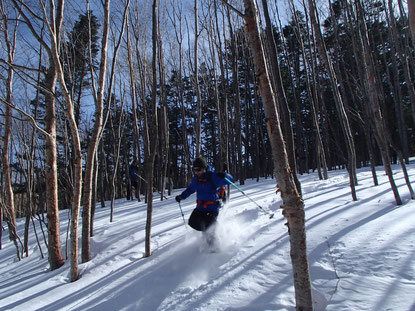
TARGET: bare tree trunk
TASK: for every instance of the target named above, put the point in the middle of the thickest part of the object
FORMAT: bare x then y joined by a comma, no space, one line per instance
237,102
179,38
51,174
145,132
2,207
301,151
280,94
25,158
94,193
366,124
53,73
409,48
198,125
411,15
94,141
8,191
225,136
293,205
375,113
117,139
102,171
351,153
371,155
164,139
37,238
404,171
77,188
212,42
31,181
215,43
134,100
398,54
212,39
56,18
321,156
98,125
151,134
176,18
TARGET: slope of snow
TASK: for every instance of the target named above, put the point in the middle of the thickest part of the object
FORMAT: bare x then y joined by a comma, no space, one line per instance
361,254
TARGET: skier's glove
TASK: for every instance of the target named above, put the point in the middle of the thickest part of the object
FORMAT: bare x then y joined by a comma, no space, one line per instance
178,198
221,175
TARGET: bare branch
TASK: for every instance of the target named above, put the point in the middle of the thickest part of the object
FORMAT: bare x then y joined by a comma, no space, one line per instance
233,9
15,66
31,119
28,23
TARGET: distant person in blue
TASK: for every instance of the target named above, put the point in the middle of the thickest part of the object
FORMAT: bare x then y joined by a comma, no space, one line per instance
133,175
205,183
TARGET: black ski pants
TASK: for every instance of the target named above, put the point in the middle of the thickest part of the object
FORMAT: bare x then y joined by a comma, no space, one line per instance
201,220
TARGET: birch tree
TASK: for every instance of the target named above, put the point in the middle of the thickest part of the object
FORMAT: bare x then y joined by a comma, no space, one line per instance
411,14
98,93
99,122
163,120
176,19
49,88
56,12
151,130
198,124
293,205
325,59
281,98
133,93
236,99
375,112
9,36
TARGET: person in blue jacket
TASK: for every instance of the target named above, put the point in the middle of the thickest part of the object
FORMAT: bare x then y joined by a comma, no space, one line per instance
205,183
133,175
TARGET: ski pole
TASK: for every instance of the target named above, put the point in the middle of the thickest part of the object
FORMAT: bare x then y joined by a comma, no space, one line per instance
271,215
182,214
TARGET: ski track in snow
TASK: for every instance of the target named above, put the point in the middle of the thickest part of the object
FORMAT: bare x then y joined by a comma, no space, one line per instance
361,255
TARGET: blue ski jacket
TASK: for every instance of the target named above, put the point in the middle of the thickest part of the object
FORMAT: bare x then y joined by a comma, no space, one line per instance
133,172
205,188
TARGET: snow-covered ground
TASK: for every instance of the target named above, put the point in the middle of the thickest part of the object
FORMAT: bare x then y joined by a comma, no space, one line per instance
361,254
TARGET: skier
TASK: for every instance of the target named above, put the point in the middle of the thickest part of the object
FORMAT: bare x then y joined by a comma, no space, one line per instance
205,182
133,175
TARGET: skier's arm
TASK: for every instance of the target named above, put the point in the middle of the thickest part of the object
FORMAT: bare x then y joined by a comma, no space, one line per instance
191,189
133,173
219,179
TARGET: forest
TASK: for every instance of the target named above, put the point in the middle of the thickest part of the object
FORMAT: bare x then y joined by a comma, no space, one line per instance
265,90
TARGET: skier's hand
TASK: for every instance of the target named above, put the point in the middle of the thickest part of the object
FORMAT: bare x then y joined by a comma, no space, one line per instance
178,198
221,175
